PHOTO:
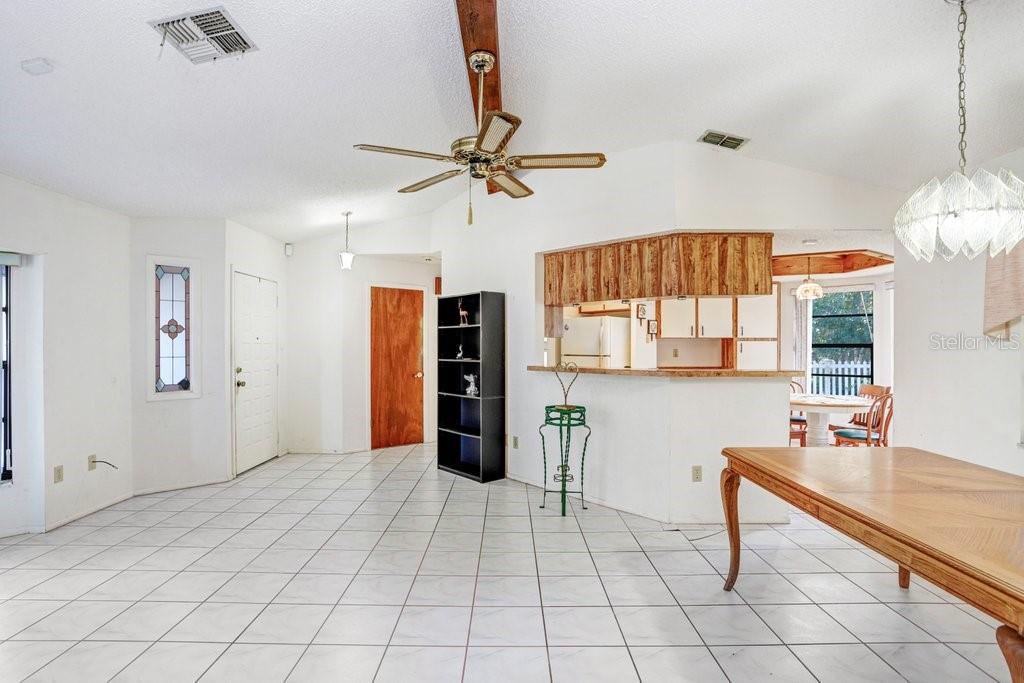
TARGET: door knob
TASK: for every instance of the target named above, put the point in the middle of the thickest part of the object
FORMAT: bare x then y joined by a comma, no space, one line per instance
240,383
418,375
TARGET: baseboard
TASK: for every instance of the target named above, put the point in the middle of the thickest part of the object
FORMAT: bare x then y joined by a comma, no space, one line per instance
68,520
604,503
188,485
4,533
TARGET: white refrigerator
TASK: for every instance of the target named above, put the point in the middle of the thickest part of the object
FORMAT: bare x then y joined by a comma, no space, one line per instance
596,342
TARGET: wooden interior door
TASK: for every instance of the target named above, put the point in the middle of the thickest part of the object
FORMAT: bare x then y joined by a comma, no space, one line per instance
254,360
396,366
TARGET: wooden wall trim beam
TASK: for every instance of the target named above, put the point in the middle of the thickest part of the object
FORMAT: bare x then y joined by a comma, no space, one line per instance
674,264
829,262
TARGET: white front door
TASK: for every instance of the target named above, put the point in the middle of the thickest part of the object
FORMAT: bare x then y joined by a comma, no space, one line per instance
254,369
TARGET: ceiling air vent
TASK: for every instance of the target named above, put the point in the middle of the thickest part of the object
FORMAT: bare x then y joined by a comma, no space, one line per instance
204,36
713,137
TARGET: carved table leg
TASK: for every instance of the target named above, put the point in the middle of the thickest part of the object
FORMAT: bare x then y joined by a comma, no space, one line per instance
730,487
1012,646
904,577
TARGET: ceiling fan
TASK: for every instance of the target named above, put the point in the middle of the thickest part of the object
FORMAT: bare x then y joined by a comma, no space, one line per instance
484,154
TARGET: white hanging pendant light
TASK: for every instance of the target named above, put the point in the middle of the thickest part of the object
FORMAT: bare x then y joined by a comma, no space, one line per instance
963,215
347,257
809,290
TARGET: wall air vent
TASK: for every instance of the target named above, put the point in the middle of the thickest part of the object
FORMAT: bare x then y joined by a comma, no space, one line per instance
713,137
204,36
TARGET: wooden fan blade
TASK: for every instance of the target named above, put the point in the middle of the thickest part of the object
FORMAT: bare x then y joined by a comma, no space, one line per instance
405,152
510,185
478,22
433,180
580,160
496,130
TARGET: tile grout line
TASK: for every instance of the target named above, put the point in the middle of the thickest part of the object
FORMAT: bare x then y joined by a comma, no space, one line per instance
235,574
476,581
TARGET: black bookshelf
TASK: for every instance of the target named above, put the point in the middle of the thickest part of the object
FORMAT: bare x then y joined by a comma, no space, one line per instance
471,428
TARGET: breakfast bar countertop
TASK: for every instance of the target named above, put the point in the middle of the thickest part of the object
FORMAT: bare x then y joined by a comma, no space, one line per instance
675,372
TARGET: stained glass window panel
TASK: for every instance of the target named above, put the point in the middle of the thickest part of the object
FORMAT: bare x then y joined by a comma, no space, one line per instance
173,328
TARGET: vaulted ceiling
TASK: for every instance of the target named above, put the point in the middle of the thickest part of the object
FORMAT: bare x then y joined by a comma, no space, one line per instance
862,89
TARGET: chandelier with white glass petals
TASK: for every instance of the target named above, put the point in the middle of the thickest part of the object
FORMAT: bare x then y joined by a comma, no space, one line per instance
962,215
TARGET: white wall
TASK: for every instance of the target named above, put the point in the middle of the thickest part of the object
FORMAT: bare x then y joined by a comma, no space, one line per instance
70,344
327,404
181,442
965,402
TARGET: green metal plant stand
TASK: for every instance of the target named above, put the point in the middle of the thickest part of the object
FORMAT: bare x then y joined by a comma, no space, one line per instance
565,417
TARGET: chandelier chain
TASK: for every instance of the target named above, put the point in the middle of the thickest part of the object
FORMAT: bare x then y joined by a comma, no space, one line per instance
962,26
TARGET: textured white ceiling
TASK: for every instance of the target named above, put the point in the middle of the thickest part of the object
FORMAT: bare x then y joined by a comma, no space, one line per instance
862,89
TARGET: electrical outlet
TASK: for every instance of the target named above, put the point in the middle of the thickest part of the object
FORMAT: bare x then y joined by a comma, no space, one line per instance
515,442
92,462
698,473
675,352
58,474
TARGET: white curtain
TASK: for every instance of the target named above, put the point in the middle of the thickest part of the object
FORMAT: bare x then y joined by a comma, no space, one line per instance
801,344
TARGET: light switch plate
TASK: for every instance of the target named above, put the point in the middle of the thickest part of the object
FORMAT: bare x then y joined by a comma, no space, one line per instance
58,474
515,442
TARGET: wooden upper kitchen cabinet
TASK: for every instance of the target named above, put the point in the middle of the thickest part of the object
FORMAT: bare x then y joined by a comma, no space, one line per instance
552,279
571,286
639,269
678,264
592,274
609,288
673,278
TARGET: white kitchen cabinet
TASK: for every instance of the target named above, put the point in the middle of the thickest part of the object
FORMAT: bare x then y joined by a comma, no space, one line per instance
678,318
714,315
757,355
758,316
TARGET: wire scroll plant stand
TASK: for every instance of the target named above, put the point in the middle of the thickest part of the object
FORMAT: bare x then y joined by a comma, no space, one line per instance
565,416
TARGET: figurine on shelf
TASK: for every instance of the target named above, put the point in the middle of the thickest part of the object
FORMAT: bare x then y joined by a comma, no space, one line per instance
458,355
463,314
471,388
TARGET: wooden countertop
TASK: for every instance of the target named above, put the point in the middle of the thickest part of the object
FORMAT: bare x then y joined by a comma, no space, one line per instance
676,372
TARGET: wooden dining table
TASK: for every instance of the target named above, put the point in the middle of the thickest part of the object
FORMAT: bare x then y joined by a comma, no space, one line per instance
956,524
821,407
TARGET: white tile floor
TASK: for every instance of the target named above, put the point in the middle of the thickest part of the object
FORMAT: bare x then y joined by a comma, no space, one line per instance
375,566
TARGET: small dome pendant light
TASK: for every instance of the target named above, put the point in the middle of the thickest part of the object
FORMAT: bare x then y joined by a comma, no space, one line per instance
809,290
347,257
